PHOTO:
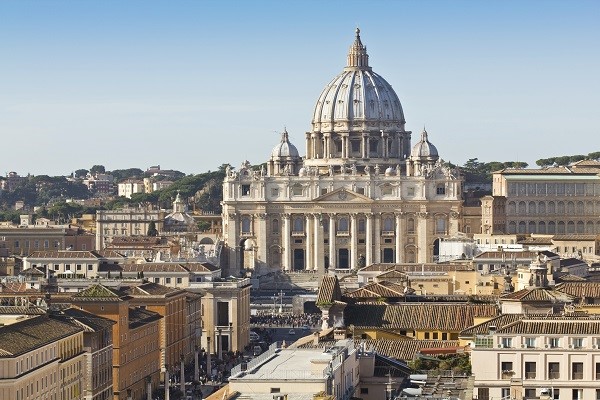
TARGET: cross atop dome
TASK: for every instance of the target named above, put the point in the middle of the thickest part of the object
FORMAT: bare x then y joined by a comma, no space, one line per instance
357,56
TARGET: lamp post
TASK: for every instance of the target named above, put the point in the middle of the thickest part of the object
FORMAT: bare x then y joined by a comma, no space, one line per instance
208,360
148,387
167,382
196,364
182,373
219,344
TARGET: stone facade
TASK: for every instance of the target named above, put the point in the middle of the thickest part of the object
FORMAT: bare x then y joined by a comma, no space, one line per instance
359,196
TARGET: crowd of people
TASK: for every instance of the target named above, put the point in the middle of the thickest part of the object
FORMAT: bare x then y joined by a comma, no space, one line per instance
285,320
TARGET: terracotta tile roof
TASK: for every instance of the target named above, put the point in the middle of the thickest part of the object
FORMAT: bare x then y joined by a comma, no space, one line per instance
106,253
393,274
574,237
17,287
484,328
329,290
586,163
21,310
549,171
538,295
378,289
536,240
154,267
62,254
418,316
569,262
150,289
548,326
569,278
98,292
29,334
118,240
87,321
139,316
580,290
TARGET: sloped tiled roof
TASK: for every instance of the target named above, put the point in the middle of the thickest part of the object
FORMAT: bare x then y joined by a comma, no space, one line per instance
549,326
29,334
329,290
418,316
575,237
62,254
154,267
150,289
569,262
484,328
410,267
87,321
580,290
21,310
139,316
98,292
378,289
538,295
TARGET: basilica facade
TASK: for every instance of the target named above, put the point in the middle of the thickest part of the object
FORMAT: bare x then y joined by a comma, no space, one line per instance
360,195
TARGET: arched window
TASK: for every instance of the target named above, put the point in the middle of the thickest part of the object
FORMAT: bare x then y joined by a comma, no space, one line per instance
589,227
522,208
542,227
246,225
388,224
560,227
275,257
551,227
531,227
541,207
560,207
512,208
522,227
410,256
532,208
512,227
580,208
551,207
275,227
570,227
343,224
570,208
298,224
580,227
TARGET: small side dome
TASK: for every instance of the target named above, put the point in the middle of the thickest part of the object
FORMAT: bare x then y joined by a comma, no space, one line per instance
285,149
424,148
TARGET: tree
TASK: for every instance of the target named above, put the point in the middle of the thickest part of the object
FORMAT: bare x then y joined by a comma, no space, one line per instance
81,173
152,231
97,169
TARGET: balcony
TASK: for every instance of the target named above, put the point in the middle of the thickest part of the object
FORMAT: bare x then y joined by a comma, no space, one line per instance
554,375
507,374
530,375
297,233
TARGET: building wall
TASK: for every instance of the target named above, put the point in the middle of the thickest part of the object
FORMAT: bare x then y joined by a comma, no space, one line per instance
125,222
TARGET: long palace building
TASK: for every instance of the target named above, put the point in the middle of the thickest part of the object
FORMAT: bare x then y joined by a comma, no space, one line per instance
360,195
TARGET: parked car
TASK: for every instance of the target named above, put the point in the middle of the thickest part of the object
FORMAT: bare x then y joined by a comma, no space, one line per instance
254,337
291,332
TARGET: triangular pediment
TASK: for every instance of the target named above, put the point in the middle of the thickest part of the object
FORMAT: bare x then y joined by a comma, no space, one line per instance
343,194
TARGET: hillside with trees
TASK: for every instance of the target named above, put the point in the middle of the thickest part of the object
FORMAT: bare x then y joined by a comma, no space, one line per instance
566,160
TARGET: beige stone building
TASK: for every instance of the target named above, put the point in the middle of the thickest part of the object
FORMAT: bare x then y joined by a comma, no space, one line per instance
360,195
553,200
125,222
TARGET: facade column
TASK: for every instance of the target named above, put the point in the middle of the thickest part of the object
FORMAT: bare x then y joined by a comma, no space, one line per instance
327,142
318,243
308,257
308,145
353,241
286,242
368,147
399,238
369,239
363,147
347,146
377,251
313,142
332,255
260,246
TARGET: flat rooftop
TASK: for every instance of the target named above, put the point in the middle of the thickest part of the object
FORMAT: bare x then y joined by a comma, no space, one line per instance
290,364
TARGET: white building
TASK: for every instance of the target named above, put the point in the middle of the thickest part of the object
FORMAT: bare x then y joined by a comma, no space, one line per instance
360,195
129,187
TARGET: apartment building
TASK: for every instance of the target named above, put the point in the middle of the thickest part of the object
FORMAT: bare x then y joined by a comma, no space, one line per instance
522,356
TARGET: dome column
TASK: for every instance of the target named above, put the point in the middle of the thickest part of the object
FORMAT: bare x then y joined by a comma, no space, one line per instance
363,147
327,145
384,138
309,145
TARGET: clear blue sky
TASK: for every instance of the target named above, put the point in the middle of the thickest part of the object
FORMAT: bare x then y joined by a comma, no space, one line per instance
190,85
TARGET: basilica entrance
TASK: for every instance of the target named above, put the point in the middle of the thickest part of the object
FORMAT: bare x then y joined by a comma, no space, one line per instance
343,259
388,256
298,259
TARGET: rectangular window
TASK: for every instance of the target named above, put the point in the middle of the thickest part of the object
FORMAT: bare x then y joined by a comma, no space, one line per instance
530,343
553,370
530,370
410,191
440,190
597,371
577,371
274,192
167,280
530,394
245,190
506,368
554,343
78,267
179,280
507,343
577,394
577,343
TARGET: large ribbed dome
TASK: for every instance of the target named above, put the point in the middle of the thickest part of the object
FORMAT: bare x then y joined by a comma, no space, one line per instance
358,98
